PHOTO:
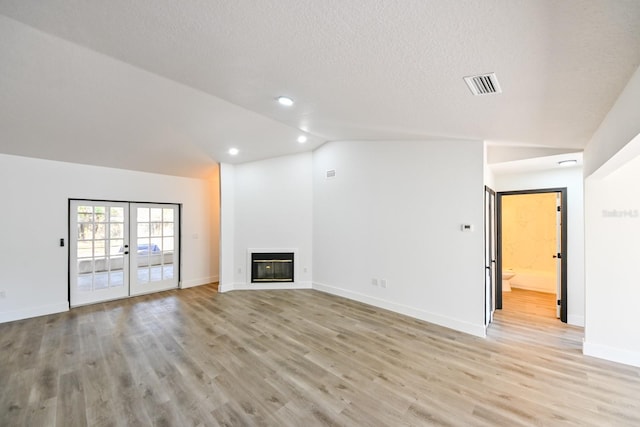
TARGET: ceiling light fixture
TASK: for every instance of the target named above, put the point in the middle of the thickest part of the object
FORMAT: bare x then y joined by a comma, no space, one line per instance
233,151
302,139
566,163
285,100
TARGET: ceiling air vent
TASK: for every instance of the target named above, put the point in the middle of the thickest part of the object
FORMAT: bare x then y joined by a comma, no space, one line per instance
483,84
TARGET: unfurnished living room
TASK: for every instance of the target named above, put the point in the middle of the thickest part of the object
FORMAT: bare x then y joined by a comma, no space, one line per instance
293,212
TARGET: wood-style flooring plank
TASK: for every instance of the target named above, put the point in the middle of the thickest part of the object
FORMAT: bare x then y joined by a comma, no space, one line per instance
288,358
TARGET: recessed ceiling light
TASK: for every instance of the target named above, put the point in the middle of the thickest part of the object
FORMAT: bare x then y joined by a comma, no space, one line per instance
567,162
302,139
285,100
233,151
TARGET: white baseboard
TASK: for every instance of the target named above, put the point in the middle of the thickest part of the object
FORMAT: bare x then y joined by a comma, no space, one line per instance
263,286
575,320
197,282
447,322
613,354
225,287
10,316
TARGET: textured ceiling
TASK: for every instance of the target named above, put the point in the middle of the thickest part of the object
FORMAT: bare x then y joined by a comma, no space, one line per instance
368,69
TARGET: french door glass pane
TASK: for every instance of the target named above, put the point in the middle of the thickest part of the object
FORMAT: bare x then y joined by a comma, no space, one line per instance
156,214
116,230
143,229
117,214
143,214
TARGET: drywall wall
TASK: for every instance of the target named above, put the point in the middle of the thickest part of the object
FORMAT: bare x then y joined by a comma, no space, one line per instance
571,178
270,208
621,124
227,226
35,194
214,208
529,240
489,179
387,227
612,258
611,293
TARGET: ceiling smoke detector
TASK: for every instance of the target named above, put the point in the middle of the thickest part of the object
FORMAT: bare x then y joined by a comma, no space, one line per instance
483,84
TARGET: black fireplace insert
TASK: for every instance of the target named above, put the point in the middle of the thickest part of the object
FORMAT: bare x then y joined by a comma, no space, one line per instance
271,267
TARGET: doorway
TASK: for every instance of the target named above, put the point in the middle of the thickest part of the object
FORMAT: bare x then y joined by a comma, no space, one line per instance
555,257
121,249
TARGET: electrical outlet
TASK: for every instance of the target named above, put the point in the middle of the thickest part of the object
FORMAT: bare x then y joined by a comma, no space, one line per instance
3,294
374,282
383,283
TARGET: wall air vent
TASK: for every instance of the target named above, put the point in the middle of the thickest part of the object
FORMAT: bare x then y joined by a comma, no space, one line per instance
483,84
331,173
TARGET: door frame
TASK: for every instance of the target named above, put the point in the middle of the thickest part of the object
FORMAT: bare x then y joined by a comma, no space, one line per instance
130,202
563,244
490,242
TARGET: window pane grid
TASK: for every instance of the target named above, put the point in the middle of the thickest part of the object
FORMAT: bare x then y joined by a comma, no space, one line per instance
155,243
100,246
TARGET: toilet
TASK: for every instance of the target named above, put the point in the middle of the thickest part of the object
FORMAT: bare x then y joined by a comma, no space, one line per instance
506,276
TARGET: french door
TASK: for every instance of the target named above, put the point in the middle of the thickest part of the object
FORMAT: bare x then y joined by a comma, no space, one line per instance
153,258
121,249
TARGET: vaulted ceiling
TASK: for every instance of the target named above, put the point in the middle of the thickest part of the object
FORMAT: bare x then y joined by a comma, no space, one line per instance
169,86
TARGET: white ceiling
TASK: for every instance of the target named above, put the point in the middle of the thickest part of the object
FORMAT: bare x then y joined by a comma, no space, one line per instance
536,164
358,69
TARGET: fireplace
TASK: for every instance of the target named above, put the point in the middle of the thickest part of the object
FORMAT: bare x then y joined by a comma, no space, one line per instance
270,267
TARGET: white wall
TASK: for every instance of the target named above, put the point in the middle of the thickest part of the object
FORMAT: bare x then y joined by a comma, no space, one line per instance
621,124
489,178
272,209
227,226
572,179
394,212
613,257
611,290
214,208
34,216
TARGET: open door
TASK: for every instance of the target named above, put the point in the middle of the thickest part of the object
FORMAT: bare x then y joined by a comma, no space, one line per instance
489,254
558,255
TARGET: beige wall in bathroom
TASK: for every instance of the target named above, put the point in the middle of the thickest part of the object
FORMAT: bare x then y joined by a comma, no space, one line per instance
529,232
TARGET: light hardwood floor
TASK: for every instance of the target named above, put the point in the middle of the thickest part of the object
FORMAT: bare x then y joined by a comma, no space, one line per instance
300,358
